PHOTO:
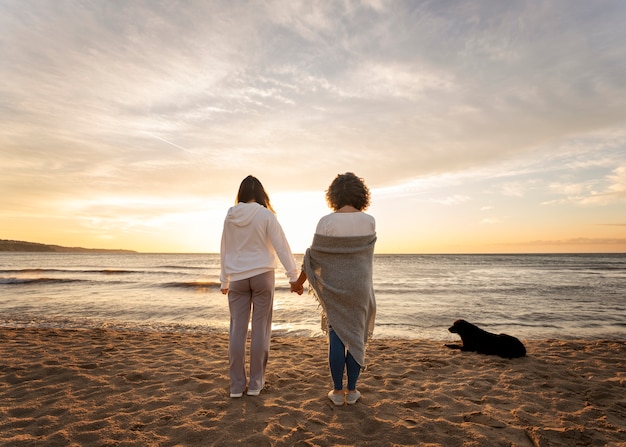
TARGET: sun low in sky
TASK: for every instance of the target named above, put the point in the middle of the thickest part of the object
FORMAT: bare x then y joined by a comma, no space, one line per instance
480,127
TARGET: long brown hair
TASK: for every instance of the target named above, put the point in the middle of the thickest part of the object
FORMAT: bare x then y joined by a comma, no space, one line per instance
251,189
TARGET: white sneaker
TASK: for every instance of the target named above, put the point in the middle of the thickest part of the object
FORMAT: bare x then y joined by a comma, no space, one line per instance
337,399
351,398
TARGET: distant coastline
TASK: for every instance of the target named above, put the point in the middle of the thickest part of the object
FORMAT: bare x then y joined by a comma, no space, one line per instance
34,247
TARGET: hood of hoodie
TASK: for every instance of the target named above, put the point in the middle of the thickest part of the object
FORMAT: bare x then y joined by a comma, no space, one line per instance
243,213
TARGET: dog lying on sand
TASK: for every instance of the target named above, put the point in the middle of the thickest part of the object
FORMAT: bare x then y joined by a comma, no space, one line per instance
483,342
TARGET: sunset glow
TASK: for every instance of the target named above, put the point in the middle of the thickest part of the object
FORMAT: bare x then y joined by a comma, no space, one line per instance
478,128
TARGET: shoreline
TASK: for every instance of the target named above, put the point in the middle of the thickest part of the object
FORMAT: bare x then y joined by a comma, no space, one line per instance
24,321
117,387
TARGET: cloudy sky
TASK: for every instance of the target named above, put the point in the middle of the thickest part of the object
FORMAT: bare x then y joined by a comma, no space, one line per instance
480,126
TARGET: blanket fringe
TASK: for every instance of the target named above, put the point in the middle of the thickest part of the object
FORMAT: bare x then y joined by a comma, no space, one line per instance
324,322
320,306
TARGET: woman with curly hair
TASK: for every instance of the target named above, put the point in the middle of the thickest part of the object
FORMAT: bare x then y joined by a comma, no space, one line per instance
339,267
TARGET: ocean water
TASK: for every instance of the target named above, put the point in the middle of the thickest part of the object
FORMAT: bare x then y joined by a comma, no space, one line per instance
418,296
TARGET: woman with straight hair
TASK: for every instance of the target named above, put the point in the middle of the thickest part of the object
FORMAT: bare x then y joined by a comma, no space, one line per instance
252,244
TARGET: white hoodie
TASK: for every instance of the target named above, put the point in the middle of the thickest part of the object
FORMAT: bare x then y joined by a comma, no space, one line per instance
252,243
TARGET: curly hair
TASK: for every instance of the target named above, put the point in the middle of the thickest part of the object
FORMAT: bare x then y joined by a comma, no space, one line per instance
251,189
348,189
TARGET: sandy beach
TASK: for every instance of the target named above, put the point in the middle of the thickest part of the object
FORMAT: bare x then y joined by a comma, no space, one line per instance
110,388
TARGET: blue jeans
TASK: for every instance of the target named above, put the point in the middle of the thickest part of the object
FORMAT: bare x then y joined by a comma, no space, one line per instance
339,361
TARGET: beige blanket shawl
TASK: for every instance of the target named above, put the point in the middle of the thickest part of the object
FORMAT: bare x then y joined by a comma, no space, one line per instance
339,270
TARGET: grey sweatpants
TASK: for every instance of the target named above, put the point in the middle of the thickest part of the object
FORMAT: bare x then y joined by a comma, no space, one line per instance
254,294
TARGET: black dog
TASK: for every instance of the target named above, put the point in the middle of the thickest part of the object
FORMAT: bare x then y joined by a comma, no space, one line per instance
483,342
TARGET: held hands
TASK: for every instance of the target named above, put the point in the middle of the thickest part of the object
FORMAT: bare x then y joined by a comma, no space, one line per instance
298,286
